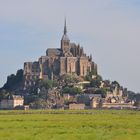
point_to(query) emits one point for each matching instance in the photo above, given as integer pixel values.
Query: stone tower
(65, 41)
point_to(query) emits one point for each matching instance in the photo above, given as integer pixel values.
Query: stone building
(96, 102)
(114, 100)
(12, 102)
(69, 58)
(76, 106)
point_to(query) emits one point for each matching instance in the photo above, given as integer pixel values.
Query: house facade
(12, 102)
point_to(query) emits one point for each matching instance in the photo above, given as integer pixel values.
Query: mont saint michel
(69, 58)
(65, 78)
(69, 70)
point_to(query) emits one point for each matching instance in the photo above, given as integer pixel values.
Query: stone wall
(76, 106)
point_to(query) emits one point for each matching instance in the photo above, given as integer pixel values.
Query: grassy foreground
(70, 125)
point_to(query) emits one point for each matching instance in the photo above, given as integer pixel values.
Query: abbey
(69, 58)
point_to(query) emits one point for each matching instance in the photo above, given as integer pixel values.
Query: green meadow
(70, 125)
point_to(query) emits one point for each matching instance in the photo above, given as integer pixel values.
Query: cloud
(108, 27)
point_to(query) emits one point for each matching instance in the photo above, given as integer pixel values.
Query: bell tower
(65, 42)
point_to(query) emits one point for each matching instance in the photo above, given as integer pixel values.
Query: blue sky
(108, 29)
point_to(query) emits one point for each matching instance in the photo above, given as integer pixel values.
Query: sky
(107, 29)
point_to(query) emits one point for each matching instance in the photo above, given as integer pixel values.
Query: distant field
(70, 125)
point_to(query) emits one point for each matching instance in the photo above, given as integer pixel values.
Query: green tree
(67, 79)
(46, 83)
(88, 77)
(3, 94)
(14, 81)
(96, 82)
(101, 91)
(116, 84)
(39, 104)
(72, 90)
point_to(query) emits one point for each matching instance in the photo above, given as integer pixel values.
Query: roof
(15, 97)
(53, 51)
(91, 96)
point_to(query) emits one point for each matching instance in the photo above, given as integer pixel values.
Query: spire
(65, 27)
(65, 37)
(90, 57)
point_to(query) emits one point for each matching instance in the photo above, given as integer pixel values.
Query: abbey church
(68, 58)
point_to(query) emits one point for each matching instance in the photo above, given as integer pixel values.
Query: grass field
(70, 125)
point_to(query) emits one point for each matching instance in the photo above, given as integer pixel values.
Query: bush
(72, 90)
(14, 81)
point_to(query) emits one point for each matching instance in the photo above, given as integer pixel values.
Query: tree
(88, 77)
(68, 79)
(46, 83)
(14, 81)
(72, 90)
(96, 82)
(115, 83)
(39, 104)
(4, 94)
(101, 91)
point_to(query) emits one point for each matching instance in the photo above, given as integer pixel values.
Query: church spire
(65, 42)
(65, 27)
(65, 36)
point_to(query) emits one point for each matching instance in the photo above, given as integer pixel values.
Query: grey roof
(55, 51)
(94, 95)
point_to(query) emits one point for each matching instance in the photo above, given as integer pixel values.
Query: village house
(12, 102)
(114, 99)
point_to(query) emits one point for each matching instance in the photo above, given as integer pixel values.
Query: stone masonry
(69, 58)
